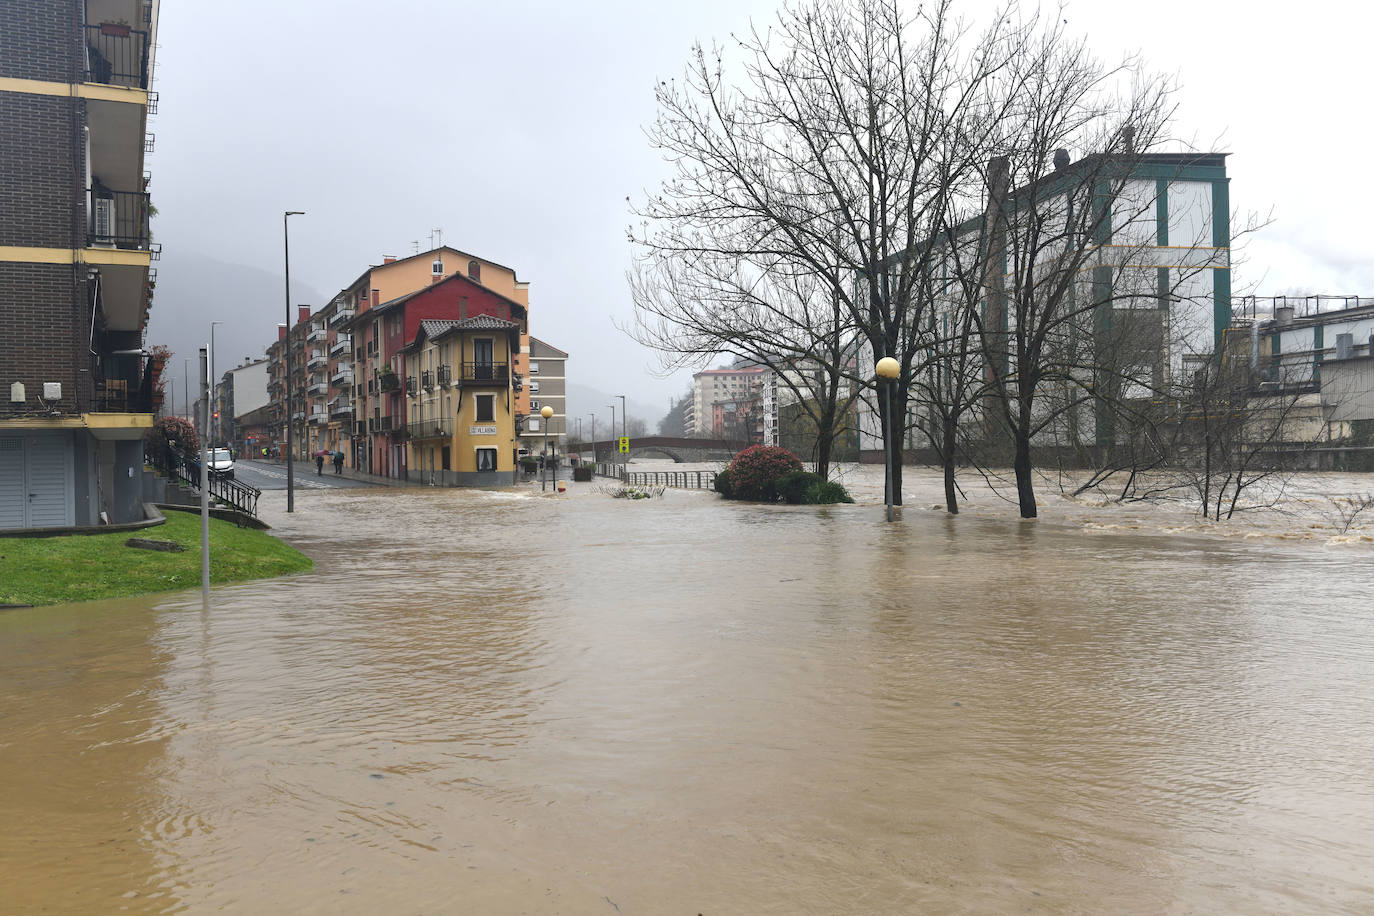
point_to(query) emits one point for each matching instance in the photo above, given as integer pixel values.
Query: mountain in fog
(194, 289)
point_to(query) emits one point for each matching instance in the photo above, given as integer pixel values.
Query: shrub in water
(825, 493)
(755, 471)
(723, 484)
(793, 486)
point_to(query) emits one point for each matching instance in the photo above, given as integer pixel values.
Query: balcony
(340, 317)
(445, 376)
(318, 416)
(117, 55)
(317, 387)
(427, 380)
(340, 409)
(317, 360)
(341, 345)
(412, 388)
(317, 334)
(343, 378)
(485, 375)
(119, 219)
(388, 381)
(114, 396)
(429, 429)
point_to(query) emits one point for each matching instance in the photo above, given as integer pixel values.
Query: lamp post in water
(887, 369)
(547, 412)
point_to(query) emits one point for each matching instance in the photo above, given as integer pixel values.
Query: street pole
(624, 419)
(887, 370)
(544, 471)
(286, 355)
(593, 438)
(185, 387)
(204, 483)
(214, 388)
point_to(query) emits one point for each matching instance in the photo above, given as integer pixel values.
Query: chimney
(302, 313)
(1061, 159)
(388, 258)
(281, 332)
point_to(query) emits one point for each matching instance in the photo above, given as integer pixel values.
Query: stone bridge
(680, 450)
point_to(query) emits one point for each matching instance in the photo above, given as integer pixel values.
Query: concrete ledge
(151, 518)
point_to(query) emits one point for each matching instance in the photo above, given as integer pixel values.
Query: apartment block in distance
(75, 260)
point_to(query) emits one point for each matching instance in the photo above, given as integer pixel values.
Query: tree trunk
(951, 494)
(1025, 487)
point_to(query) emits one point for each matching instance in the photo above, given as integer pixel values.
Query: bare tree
(854, 135)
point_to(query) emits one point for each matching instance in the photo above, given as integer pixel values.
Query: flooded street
(502, 702)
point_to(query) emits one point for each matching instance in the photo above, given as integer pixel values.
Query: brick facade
(43, 313)
(45, 173)
(41, 41)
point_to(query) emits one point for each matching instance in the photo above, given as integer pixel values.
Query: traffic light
(216, 415)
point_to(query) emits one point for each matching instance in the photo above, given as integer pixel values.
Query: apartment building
(76, 276)
(460, 401)
(546, 385)
(738, 387)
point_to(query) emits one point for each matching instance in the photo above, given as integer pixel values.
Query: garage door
(35, 482)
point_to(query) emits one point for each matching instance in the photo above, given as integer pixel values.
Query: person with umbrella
(319, 463)
(338, 463)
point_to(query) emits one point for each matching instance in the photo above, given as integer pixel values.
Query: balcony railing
(427, 380)
(317, 361)
(429, 429)
(340, 317)
(318, 416)
(412, 388)
(119, 218)
(317, 386)
(340, 345)
(317, 333)
(486, 374)
(343, 378)
(117, 55)
(388, 381)
(116, 396)
(343, 409)
(445, 376)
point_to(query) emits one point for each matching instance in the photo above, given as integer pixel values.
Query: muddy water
(495, 702)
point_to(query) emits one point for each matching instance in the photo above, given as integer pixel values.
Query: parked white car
(222, 463)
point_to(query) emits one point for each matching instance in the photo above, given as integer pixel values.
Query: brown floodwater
(497, 702)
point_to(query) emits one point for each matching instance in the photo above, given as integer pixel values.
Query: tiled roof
(433, 327)
(484, 323)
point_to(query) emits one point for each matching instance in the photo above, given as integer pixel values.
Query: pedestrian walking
(338, 462)
(319, 464)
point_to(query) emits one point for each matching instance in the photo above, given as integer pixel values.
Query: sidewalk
(305, 467)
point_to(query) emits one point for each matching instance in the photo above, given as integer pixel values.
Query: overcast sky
(516, 128)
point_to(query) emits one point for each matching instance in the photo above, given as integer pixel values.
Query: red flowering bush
(755, 471)
(157, 444)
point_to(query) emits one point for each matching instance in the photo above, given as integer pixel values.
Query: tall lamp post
(547, 412)
(888, 369)
(286, 355)
(214, 389)
(624, 418)
(593, 416)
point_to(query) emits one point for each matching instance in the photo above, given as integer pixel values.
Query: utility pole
(286, 356)
(624, 418)
(593, 438)
(204, 481)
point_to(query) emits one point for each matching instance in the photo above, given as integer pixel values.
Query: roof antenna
(416, 245)
(436, 234)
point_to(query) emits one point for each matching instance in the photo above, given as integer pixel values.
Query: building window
(475, 271)
(532, 425)
(534, 367)
(534, 386)
(486, 459)
(486, 408)
(534, 405)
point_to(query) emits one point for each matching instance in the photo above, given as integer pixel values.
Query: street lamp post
(624, 419)
(214, 389)
(887, 369)
(546, 413)
(286, 355)
(613, 460)
(593, 416)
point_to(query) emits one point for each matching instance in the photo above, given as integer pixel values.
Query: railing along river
(687, 480)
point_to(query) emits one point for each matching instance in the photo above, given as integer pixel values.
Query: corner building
(75, 260)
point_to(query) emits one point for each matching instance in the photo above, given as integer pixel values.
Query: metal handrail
(117, 55)
(241, 496)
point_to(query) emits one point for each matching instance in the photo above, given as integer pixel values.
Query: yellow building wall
(427, 454)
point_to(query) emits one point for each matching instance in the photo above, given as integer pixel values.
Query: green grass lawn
(86, 567)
